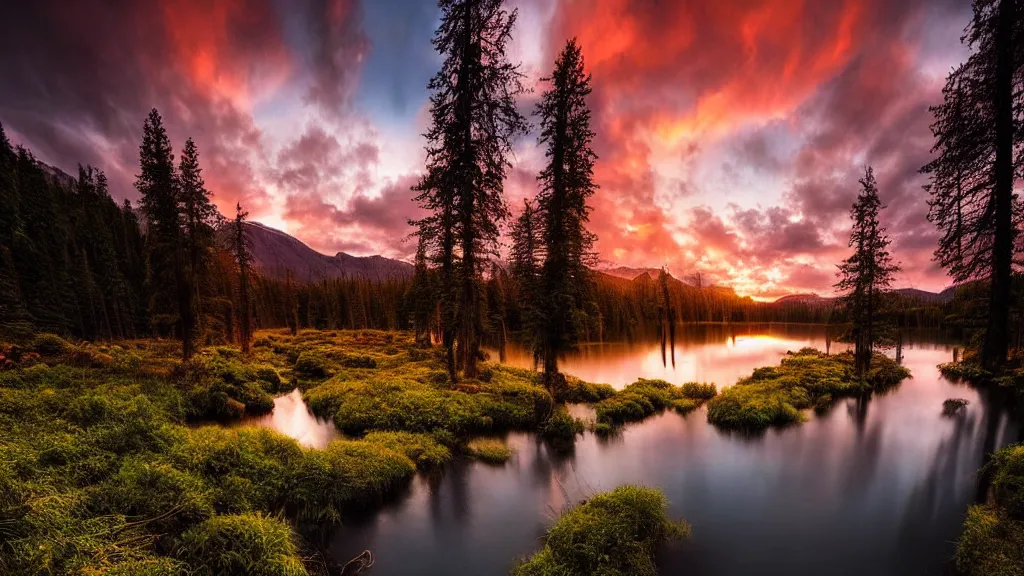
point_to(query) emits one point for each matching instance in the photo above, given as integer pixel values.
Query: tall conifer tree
(979, 133)
(566, 185)
(867, 273)
(170, 303)
(473, 122)
(241, 249)
(199, 216)
(524, 265)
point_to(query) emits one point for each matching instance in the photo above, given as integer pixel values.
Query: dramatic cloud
(731, 134)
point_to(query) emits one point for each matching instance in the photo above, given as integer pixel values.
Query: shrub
(578, 391)
(561, 427)
(990, 544)
(242, 545)
(49, 345)
(951, 406)
(311, 364)
(1008, 480)
(422, 449)
(270, 378)
(489, 450)
(699, 390)
(617, 532)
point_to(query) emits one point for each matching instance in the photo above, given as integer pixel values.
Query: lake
(871, 487)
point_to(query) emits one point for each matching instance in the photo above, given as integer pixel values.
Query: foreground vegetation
(616, 532)
(113, 461)
(777, 395)
(992, 543)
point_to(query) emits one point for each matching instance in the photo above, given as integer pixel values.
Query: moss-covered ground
(778, 395)
(992, 542)
(113, 461)
(613, 533)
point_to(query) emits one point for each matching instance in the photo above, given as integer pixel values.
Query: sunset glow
(730, 134)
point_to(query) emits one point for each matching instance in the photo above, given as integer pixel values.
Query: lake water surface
(872, 487)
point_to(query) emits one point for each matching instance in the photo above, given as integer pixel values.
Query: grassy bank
(777, 395)
(104, 470)
(617, 532)
(992, 542)
(1010, 377)
(113, 462)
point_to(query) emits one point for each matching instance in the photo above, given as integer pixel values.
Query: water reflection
(292, 417)
(875, 486)
(715, 353)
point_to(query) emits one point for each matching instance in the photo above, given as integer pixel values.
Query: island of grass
(992, 542)
(616, 532)
(777, 395)
(114, 461)
(1008, 377)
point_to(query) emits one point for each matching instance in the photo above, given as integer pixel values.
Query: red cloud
(672, 79)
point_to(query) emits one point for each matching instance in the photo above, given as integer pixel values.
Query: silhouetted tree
(421, 296)
(980, 146)
(240, 246)
(169, 289)
(199, 216)
(473, 121)
(566, 185)
(867, 273)
(524, 266)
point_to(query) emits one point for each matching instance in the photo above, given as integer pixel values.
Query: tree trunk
(996, 343)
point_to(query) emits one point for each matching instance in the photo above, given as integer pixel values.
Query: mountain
(275, 252)
(806, 299)
(925, 296)
(627, 273)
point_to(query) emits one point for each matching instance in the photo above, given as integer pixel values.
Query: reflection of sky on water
(876, 486)
(293, 418)
(711, 353)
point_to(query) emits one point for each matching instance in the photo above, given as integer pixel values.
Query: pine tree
(474, 120)
(867, 273)
(291, 304)
(199, 219)
(566, 185)
(170, 303)
(524, 266)
(421, 296)
(241, 248)
(980, 146)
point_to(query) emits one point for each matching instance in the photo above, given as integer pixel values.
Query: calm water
(876, 487)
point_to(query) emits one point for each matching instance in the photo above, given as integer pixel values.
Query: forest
(145, 357)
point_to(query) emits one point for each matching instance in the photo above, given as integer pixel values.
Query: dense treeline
(71, 259)
(75, 262)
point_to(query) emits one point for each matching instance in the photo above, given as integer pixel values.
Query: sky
(730, 134)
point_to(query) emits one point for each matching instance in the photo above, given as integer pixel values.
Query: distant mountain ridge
(812, 299)
(276, 252)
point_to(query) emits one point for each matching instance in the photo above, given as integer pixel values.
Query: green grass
(614, 533)
(992, 541)
(242, 545)
(489, 450)
(103, 470)
(561, 428)
(108, 457)
(423, 449)
(777, 395)
(645, 397)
